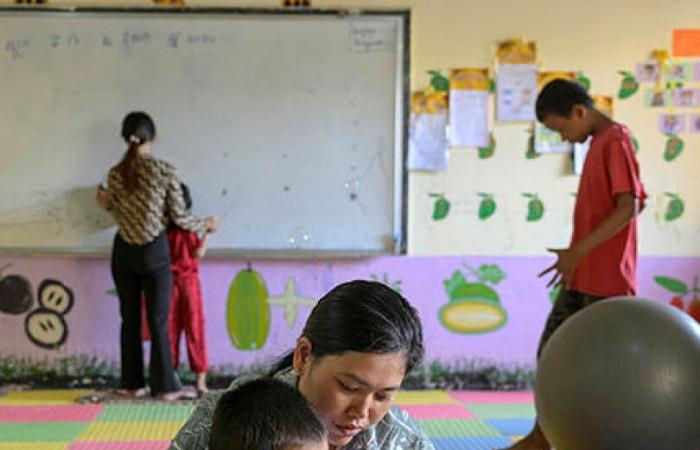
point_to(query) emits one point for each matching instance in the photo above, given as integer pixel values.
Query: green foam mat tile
(458, 428)
(145, 413)
(45, 431)
(501, 410)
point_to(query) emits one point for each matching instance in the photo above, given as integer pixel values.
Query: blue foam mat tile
(471, 443)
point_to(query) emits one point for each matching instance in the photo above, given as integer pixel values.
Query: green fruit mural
(473, 307)
(535, 207)
(628, 86)
(675, 207)
(679, 290)
(247, 311)
(438, 81)
(441, 207)
(674, 147)
(489, 150)
(583, 80)
(492, 85)
(487, 206)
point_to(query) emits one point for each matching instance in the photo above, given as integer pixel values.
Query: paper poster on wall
(672, 123)
(678, 72)
(604, 104)
(686, 98)
(516, 84)
(686, 42)
(427, 144)
(648, 72)
(657, 99)
(694, 120)
(546, 140)
(468, 108)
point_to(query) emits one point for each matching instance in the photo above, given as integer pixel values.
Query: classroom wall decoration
(684, 297)
(474, 306)
(476, 215)
(248, 311)
(46, 325)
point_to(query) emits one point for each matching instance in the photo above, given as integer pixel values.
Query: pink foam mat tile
(438, 412)
(119, 445)
(493, 396)
(49, 413)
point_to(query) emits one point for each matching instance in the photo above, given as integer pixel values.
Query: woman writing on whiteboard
(144, 195)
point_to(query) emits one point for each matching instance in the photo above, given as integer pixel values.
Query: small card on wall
(672, 123)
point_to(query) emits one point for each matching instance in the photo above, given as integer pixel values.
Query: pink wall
(93, 321)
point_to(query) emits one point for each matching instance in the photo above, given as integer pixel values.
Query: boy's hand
(567, 260)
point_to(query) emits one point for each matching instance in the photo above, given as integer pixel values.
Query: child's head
(266, 414)
(565, 107)
(138, 128)
(186, 196)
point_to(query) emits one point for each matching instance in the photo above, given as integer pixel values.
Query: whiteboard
(290, 127)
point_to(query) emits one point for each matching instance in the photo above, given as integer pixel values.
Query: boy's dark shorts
(566, 305)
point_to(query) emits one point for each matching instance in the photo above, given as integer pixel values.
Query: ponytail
(128, 166)
(137, 129)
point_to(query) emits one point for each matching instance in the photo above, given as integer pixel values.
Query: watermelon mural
(247, 311)
(474, 307)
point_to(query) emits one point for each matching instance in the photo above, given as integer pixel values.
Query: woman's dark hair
(264, 414)
(137, 129)
(559, 96)
(362, 316)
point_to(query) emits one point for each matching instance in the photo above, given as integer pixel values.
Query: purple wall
(93, 321)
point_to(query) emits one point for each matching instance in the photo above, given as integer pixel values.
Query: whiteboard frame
(402, 108)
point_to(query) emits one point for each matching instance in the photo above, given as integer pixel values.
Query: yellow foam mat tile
(37, 445)
(43, 397)
(130, 431)
(434, 397)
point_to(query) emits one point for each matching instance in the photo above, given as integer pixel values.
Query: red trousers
(187, 315)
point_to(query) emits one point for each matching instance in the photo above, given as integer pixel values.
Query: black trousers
(144, 270)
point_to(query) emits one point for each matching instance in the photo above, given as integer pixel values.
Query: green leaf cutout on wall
(487, 206)
(535, 207)
(438, 81)
(583, 80)
(441, 208)
(489, 150)
(635, 144)
(672, 284)
(674, 147)
(674, 208)
(628, 86)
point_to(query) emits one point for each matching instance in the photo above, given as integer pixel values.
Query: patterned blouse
(144, 214)
(396, 430)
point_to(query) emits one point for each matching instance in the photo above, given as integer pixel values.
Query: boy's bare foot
(202, 383)
(182, 394)
(132, 393)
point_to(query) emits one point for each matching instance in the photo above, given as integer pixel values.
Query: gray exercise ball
(623, 373)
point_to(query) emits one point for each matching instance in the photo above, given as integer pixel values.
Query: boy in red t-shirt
(601, 260)
(186, 309)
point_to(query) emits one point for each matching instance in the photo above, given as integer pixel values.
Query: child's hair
(559, 96)
(186, 196)
(137, 129)
(264, 414)
(362, 316)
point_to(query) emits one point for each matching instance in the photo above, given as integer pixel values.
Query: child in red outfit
(601, 260)
(186, 310)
